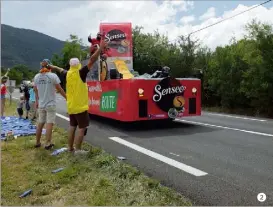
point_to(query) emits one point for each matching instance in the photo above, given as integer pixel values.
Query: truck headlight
(140, 92)
(194, 90)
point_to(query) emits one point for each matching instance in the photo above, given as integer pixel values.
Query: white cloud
(187, 19)
(83, 18)
(210, 13)
(222, 33)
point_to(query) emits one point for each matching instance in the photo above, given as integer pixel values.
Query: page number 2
(261, 197)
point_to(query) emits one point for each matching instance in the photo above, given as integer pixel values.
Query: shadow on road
(150, 129)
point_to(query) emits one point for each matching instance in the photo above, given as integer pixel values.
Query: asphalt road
(214, 159)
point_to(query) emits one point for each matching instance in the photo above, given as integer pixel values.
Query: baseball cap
(74, 62)
(47, 61)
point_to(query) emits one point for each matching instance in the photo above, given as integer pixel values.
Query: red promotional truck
(119, 95)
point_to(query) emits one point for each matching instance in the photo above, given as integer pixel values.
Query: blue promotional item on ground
(16, 126)
(58, 151)
(58, 170)
(26, 193)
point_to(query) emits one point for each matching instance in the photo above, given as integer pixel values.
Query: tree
(19, 72)
(72, 48)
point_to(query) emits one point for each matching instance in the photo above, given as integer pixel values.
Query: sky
(59, 19)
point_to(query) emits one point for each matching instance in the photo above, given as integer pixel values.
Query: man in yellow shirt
(77, 97)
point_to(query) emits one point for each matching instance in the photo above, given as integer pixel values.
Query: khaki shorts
(32, 106)
(47, 115)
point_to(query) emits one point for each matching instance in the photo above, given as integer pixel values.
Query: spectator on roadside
(45, 83)
(77, 98)
(3, 94)
(33, 110)
(27, 96)
(20, 106)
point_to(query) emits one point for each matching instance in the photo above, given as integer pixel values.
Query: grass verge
(97, 179)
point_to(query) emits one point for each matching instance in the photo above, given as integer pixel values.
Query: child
(20, 106)
(3, 94)
(27, 96)
(32, 102)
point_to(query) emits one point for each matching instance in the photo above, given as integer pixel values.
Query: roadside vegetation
(236, 78)
(98, 179)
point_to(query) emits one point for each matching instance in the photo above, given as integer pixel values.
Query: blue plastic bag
(17, 126)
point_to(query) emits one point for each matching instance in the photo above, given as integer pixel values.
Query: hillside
(25, 46)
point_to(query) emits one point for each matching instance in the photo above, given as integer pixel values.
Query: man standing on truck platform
(94, 42)
(77, 98)
(94, 73)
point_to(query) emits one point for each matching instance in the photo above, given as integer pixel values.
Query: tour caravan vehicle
(117, 94)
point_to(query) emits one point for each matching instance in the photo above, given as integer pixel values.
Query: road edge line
(186, 168)
(223, 127)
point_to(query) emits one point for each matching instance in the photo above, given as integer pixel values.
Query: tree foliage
(239, 75)
(19, 73)
(72, 48)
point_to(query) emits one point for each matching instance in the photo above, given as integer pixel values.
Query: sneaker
(48, 147)
(80, 152)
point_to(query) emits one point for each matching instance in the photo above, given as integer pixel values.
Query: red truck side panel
(132, 99)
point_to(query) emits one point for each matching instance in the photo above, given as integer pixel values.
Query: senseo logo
(169, 95)
(115, 35)
(172, 90)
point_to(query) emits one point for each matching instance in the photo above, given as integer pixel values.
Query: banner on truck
(120, 42)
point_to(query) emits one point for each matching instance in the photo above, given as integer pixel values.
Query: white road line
(235, 117)
(62, 116)
(160, 157)
(223, 127)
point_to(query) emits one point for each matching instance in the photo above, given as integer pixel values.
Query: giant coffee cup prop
(169, 96)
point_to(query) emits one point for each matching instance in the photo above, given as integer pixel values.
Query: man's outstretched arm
(96, 55)
(56, 68)
(91, 60)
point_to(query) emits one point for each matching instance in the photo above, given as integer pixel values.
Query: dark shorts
(27, 106)
(20, 111)
(81, 120)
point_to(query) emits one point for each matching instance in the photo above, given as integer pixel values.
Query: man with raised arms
(77, 98)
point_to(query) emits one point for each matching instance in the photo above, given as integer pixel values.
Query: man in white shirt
(45, 85)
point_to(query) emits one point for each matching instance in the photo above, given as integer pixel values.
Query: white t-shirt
(46, 85)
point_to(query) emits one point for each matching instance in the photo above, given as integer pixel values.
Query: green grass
(97, 179)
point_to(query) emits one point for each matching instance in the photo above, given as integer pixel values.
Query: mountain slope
(28, 47)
